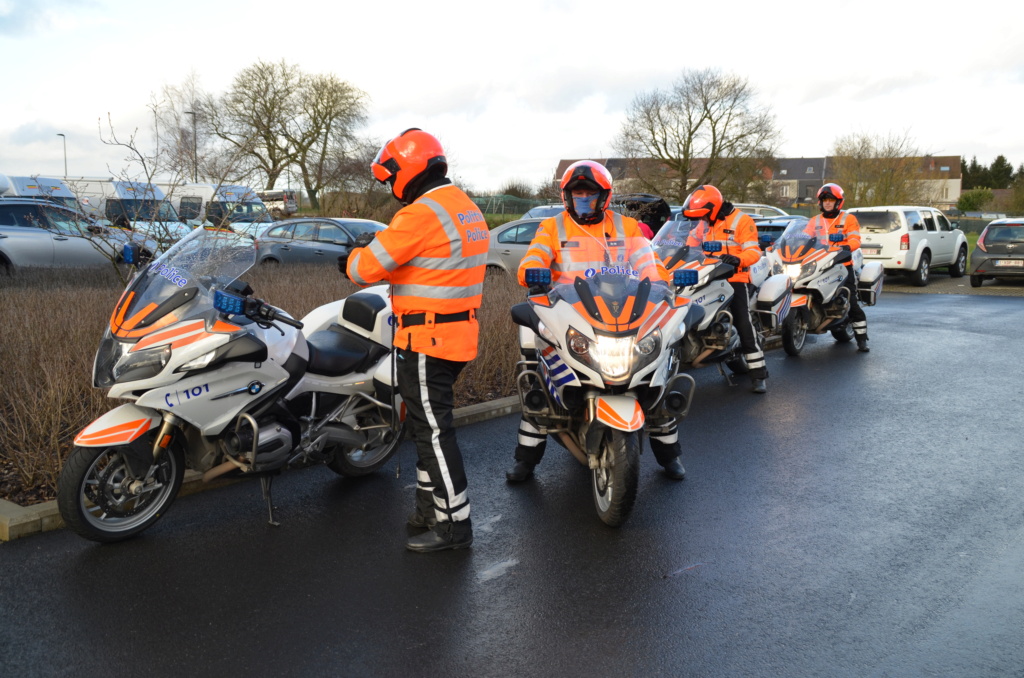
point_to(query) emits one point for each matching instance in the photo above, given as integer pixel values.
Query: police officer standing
(720, 221)
(434, 254)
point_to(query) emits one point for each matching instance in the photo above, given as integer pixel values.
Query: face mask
(584, 205)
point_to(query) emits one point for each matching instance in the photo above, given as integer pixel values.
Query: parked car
(38, 232)
(281, 203)
(311, 240)
(911, 240)
(760, 210)
(999, 252)
(543, 211)
(509, 243)
(770, 228)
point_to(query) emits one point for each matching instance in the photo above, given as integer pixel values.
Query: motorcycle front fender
(119, 426)
(621, 412)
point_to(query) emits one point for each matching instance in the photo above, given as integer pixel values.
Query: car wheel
(5, 266)
(959, 267)
(270, 262)
(919, 276)
(976, 280)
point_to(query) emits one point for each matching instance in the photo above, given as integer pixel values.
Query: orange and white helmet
(831, 191)
(704, 203)
(587, 174)
(407, 157)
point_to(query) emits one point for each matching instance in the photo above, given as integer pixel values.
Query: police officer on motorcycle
(721, 222)
(833, 220)
(586, 189)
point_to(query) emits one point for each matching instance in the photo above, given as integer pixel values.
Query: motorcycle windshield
(618, 282)
(796, 244)
(670, 244)
(182, 281)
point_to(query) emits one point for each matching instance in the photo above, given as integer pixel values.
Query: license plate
(871, 250)
(1019, 263)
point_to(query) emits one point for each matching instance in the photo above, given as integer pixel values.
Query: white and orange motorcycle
(220, 382)
(600, 361)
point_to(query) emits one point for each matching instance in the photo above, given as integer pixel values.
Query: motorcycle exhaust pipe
(580, 455)
(221, 469)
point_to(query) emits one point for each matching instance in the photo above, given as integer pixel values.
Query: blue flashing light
(765, 238)
(835, 237)
(538, 276)
(712, 246)
(228, 303)
(130, 253)
(684, 277)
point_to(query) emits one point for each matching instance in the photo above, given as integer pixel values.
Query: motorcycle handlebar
(261, 311)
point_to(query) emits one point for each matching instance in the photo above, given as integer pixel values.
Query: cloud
(23, 19)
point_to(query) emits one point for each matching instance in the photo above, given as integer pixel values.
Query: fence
(505, 204)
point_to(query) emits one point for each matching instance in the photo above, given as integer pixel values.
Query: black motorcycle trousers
(749, 341)
(532, 443)
(858, 319)
(426, 384)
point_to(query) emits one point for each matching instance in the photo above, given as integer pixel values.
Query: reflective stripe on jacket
(434, 253)
(570, 249)
(844, 223)
(738, 236)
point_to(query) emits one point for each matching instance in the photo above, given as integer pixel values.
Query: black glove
(363, 239)
(845, 248)
(730, 259)
(343, 264)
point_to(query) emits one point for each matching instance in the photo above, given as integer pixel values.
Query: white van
(131, 205)
(217, 203)
(50, 188)
(911, 240)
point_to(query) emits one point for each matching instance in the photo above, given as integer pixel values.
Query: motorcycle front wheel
(381, 443)
(794, 334)
(615, 486)
(99, 499)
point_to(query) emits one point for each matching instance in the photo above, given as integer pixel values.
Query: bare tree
(877, 170)
(707, 128)
(321, 135)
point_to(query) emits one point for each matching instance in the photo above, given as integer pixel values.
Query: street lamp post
(65, 140)
(195, 159)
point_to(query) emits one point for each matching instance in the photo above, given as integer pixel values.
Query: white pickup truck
(911, 240)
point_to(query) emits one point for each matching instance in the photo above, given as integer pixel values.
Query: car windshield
(141, 210)
(878, 222)
(1002, 234)
(543, 212)
(359, 227)
(238, 212)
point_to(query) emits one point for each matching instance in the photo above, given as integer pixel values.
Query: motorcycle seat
(337, 351)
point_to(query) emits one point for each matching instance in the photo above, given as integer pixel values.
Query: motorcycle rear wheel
(615, 487)
(380, 446)
(794, 334)
(95, 497)
(844, 333)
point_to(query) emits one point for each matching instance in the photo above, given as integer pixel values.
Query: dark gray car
(37, 232)
(999, 252)
(311, 239)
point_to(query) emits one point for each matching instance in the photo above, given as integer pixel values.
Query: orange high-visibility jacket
(844, 223)
(738, 236)
(434, 253)
(570, 249)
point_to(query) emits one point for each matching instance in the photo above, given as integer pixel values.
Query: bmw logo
(590, 272)
(255, 387)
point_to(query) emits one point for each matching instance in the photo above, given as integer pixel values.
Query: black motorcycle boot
(862, 343)
(520, 471)
(442, 537)
(674, 469)
(423, 514)
(758, 386)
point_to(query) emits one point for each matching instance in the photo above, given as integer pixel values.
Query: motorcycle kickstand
(266, 483)
(728, 375)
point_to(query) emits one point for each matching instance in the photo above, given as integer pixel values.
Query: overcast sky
(510, 88)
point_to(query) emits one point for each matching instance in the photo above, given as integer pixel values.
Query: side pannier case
(773, 301)
(870, 284)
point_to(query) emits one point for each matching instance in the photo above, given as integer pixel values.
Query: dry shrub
(53, 320)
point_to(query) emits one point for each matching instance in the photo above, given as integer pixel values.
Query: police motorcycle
(222, 383)
(599, 362)
(820, 301)
(704, 279)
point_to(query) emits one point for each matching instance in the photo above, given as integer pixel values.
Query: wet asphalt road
(864, 518)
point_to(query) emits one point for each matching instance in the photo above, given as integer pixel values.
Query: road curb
(22, 521)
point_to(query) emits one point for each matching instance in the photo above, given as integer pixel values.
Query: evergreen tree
(1000, 173)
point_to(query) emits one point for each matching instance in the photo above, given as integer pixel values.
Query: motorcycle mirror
(538, 276)
(228, 303)
(712, 246)
(835, 237)
(684, 277)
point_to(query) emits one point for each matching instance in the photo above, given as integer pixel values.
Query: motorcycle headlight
(614, 355)
(141, 365)
(801, 271)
